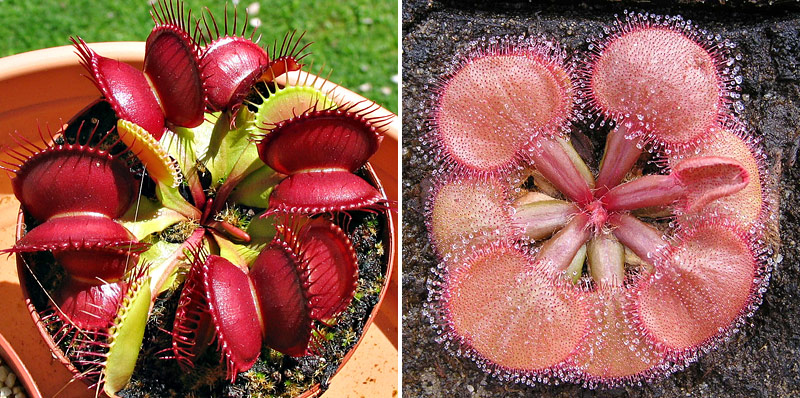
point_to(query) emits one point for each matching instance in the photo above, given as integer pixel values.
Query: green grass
(357, 39)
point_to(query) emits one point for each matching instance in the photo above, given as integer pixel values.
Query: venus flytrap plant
(550, 272)
(230, 225)
(96, 257)
(338, 141)
(284, 279)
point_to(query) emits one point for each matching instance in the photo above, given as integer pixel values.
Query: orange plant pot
(43, 87)
(11, 359)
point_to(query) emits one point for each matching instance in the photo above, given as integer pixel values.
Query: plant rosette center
(199, 202)
(552, 270)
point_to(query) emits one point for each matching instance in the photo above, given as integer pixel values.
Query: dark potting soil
(763, 358)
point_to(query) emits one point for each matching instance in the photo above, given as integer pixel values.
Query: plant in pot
(214, 199)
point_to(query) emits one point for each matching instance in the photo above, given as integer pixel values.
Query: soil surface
(763, 359)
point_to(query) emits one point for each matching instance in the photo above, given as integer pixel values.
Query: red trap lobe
(171, 63)
(330, 267)
(230, 302)
(82, 178)
(231, 62)
(125, 88)
(87, 246)
(322, 192)
(89, 306)
(192, 329)
(286, 58)
(335, 143)
(282, 300)
(327, 139)
(233, 65)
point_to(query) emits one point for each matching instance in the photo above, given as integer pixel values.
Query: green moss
(348, 338)
(179, 232)
(237, 216)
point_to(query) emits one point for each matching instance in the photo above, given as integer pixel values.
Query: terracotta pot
(49, 91)
(24, 377)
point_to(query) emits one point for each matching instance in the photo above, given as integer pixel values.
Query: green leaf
(126, 337)
(148, 218)
(159, 256)
(575, 269)
(158, 164)
(241, 255)
(165, 260)
(155, 159)
(255, 189)
(261, 230)
(287, 102)
(171, 198)
(189, 145)
(231, 150)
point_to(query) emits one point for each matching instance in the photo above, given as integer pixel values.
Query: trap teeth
(229, 85)
(83, 178)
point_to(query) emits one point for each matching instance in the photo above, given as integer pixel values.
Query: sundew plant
(550, 271)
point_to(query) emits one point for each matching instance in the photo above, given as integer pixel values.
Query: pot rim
(11, 358)
(39, 61)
